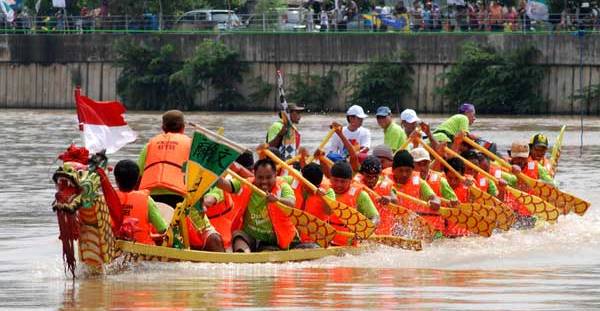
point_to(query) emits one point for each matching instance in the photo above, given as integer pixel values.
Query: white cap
(410, 116)
(357, 111)
(420, 154)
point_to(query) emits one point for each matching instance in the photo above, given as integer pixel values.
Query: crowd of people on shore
(234, 216)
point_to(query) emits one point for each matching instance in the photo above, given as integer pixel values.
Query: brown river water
(555, 267)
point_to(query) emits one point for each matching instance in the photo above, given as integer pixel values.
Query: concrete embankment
(40, 71)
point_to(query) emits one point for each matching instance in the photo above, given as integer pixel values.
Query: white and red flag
(102, 124)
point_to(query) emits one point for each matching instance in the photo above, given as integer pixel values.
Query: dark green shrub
(262, 90)
(145, 80)
(384, 81)
(214, 64)
(313, 91)
(496, 82)
(588, 96)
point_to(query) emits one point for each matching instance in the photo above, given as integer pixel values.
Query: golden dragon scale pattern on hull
(535, 205)
(468, 219)
(352, 219)
(505, 217)
(308, 224)
(563, 201)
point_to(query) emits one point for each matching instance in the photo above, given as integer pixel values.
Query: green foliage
(262, 90)
(145, 80)
(504, 82)
(384, 81)
(313, 91)
(587, 96)
(217, 65)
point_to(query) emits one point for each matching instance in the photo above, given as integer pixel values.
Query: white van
(207, 19)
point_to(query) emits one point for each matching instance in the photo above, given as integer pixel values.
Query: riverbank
(40, 71)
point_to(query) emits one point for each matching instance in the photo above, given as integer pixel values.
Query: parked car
(292, 19)
(207, 19)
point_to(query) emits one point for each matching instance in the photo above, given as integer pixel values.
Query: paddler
(140, 213)
(350, 193)
(307, 200)
(461, 190)
(386, 157)
(283, 135)
(393, 135)
(161, 161)
(409, 181)
(221, 207)
(521, 162)
(538, 145)
(370, 175)
(359, 136)
(260, 224)
(436, 180)
(480, 181)
(460, 122)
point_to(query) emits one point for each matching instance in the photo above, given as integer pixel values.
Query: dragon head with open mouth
(81, 208)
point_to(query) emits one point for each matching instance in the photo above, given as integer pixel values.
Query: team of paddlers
(234, 216)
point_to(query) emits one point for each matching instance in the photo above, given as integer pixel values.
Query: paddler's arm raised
(354, 163)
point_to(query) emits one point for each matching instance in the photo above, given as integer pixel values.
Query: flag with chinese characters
(210, 156)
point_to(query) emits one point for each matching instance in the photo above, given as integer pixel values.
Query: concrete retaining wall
(39, 71)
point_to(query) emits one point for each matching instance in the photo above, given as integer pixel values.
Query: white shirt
(362, 137)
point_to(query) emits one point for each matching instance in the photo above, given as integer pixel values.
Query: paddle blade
(356, 222)
(466, 218)
(411, 223)
(321, 232)
(563, 201)
(535, 205)
(505, 217)
(396, 241)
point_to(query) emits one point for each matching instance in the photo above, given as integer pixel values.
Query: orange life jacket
(165, 156)
(221, 216)
(434, 179)
(482, 183)
(531, 169)
(413, 188)
(383, 188)
(135, 207)
(312, 203)
(495, 171)
(349, 198)
(285, 231)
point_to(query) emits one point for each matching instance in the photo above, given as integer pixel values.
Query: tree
(504, 82)
(385, 81)
(313, 91)
(214, 64)
(145, 80)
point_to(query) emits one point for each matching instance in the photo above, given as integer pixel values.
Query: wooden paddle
(565, 202)
(351, 218)
(555, 155)
(465, 218)
(321, 232)
(497, 212)
(322, 144)
(534, 204)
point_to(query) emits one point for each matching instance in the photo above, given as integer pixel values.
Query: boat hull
(160, 253)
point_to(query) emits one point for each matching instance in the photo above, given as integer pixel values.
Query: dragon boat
(85, 228)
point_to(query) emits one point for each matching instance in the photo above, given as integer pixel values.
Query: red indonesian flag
(102, 124)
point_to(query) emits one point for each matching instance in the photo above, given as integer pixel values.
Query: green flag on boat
(210, 155)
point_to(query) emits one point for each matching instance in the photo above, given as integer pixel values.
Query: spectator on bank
(417, 16)
(324, 21)
(495, 16)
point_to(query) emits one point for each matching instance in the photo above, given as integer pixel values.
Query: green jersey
(257, 222)
(446, 131)
(394, 136)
